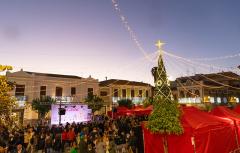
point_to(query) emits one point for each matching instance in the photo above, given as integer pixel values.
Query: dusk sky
(87, 37)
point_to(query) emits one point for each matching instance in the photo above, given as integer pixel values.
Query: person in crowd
(64, 138)
(71, 136)
(105, 135)
(112, 146)
(83, 146)
(74, 147)
(48, 143)
(20, 149)
(41, 143)
(100, 145)
(132, 142)
(57, 144)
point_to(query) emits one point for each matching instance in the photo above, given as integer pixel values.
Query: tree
(7, 103)
(42, 105)
(94, 102)
(147, 102)
(125, 103)
(165, 118)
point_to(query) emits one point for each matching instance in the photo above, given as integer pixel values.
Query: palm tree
(42, 105)
(94, 102)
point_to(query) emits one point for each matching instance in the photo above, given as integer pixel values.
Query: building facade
(31, 85)
(218, 88)
(113, 90)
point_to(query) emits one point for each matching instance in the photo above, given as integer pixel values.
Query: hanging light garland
(129, 29)
(217, 58)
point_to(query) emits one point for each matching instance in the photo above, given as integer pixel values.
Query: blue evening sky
(86, 37)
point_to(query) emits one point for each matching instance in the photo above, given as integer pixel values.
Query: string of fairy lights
(151, 58)
(134, 38)
(128, 28)
(217, 58)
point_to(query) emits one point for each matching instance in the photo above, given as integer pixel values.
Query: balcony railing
(135, 100)
(21, 100)
(63, 99)
(196, 100)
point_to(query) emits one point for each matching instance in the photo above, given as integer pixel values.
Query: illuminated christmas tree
(165, 117)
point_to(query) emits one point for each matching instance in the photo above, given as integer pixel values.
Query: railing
(196, 100)
(21, 100)
(135, 100)
(63, 99)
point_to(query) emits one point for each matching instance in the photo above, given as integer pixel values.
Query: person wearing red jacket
(71, 136)
(64, 138)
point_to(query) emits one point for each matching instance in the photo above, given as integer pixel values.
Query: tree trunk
(165, 143)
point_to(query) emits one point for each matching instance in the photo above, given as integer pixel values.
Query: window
(146, 93)
(103, 93)
(132, 93)
(90, 92)
(19, 90)
(124, 93)
(59, 91)
(43, 91)
(115, 92)
(73, 91)
(140, 93)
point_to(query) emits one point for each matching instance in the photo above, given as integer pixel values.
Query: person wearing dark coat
(19, 149)
(83, 146)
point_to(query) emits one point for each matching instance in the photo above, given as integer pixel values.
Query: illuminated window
(212, 99)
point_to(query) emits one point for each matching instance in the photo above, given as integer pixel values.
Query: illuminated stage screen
(74, 113)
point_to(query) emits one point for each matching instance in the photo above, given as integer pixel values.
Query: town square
(119, 76)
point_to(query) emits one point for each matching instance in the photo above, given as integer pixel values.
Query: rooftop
(122, 82)
(53, 75)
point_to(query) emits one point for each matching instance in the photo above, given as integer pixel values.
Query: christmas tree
(165, 118)
(7, 103)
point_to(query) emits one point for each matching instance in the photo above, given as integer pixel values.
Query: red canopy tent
(136, 110)
(203, 133)
(237, 109)
(140, 110)
(222, 111)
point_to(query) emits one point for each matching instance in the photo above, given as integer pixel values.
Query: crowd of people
(102, 135)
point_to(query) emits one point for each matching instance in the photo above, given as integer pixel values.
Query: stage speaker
(61, 111)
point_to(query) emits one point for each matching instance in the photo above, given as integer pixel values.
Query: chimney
(106, 78)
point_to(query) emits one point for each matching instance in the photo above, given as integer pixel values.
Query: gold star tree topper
(159, 45)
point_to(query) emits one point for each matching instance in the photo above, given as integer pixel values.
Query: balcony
(21, 100)
(64, 99)
(135, 100)
(196, 100)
